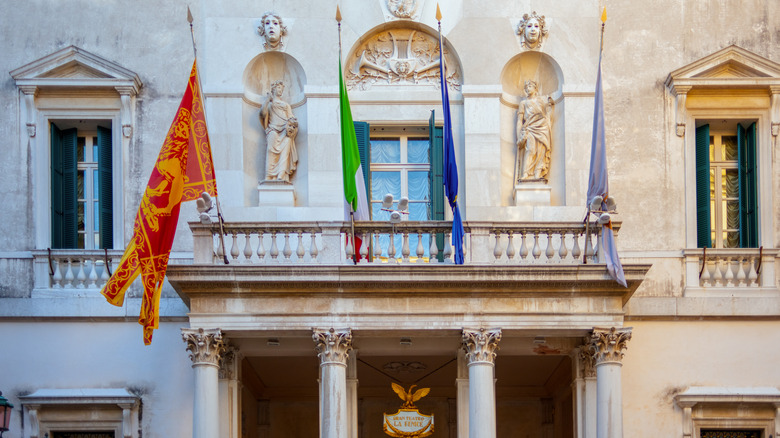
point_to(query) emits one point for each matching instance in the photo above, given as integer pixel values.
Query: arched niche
(262, 71)
(545, 71)
(400, 54)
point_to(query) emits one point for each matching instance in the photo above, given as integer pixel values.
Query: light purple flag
(598, 183)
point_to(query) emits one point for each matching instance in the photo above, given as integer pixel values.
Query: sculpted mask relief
(402, 8)
(400, 56)
(533, 135)
(281, 128)
(532, 30)
(272, 29)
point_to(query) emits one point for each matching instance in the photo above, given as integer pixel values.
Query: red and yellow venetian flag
(184, 169)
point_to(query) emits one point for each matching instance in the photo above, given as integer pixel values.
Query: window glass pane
(417, 150)
(731, 239)
(712, 148)
(729, 147)
(418, 211)
(80, 184)
(418, 185)
(96, 216)
(385, 182)
(730, 179)
(385, 150)
(94, 149)
(80, 149)
(377, 214)
(95, 184)
(81, 207)
(80, 243)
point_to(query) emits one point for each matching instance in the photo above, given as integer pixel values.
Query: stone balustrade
(718, 268)
(74, 268)
(404, 243)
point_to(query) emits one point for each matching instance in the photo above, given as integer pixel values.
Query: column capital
(481, 345)
(586, 361)
(332, 345)
(205, 346)
(230, 363)
(607, 344)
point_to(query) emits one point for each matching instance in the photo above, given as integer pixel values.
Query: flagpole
(205, 120)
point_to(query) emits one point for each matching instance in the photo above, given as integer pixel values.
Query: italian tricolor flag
(354, 185)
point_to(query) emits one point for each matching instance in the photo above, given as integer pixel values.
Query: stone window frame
(74, 84)
(731, 397)
(40, 410)
(701, 91)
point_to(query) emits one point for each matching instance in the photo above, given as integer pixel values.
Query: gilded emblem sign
(408, 422)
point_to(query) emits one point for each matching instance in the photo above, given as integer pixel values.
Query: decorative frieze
(607, 345)
(481, 345)
(332, 345)
(205, 346)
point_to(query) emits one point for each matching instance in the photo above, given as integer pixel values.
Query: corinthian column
(480, 346)
(333, 348)
(206, 348)
(606, 346)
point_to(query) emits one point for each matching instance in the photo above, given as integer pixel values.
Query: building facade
(303, 333)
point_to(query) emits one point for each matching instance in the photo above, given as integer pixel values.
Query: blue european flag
(450, 173)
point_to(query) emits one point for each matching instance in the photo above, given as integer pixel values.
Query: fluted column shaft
(333, 348)
(607, 347)
(480, 346)
(206, 348)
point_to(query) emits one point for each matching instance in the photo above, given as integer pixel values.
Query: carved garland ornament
(332, 345)
(481, 345)
(400, 56)
(205, 346)
(607, 345)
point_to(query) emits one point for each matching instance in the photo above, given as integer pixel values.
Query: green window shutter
(364, 149)
(105, 195)
(748, 193)
(70, 199)
(56, 187)
(436, 176)
(436, 185)
(703, 237)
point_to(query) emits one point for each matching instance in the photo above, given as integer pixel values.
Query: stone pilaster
(206, 348)
(480, 347)
(606, 347)
(230, 392)
(333, 347)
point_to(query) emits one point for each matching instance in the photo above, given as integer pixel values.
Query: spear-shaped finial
(603, 22)
(338, 14)
(604, 16)
(189, 16)
(438, 13)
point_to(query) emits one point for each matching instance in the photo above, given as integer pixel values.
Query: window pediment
(731, 67)
(75, 67)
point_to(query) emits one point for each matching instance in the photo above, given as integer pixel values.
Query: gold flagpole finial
(438, 13)
(604, 16)
(189, 16)
(338, 14)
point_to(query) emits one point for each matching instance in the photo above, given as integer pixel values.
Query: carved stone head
(277, 88)
(530, 88)
(402, 8)
(532, 30)
(272, 29)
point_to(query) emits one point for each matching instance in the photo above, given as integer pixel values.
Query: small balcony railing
(716, 269)
(404, 243)
(73, 268)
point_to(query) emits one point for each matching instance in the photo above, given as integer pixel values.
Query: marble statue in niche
(402, 8)
(281, 128)
(532, 30)
(272, 29)
(534, 126)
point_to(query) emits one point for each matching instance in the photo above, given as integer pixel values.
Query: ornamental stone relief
(400, 56)
(401, 9)
(481, 345)
(332, 345)
(205, 346)
(607, 345)
(532, 30)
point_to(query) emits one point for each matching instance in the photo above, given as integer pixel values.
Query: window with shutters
(404, 161)
(726, 189)
(81, 184)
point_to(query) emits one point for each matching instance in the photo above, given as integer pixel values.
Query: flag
(598, 183)
(184, 169)
(450, 174)
(354, 184)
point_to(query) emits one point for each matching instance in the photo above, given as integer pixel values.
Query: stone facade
(524, 335)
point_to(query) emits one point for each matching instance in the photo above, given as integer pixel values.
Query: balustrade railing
(731, 268)
(74, 268)
(404, 243)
